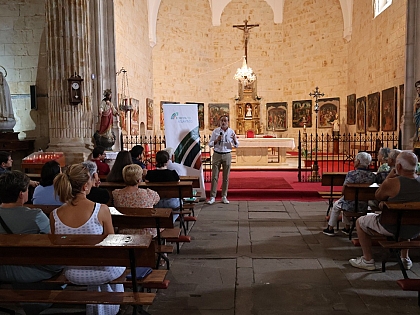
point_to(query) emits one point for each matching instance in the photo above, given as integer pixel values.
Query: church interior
(278, 69)
(153, 52)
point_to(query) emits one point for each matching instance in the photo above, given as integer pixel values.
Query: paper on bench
(116, 240)
(114, 211)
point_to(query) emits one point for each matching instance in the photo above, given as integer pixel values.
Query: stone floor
(271, 257)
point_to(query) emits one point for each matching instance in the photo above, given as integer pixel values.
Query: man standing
(98, 156)
(401, 185)
(222, 139)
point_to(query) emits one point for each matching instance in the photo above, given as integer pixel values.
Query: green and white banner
(182, 134)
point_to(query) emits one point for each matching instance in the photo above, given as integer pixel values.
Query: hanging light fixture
(124, 103)
(245, 75)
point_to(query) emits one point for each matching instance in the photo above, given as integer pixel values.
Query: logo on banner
(182, 119)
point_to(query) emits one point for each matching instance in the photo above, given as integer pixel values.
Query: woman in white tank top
(81, 216)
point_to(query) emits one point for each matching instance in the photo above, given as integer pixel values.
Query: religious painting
(401, 97)
(162, 121)
(372, 112)
(216, 110)
(302, 113)
(123, 114)
(134, 130)
(149, 113)
(276, 116)
(328, 111)
(389, 109)
(351, 109)
(361, 114)
(200, 111)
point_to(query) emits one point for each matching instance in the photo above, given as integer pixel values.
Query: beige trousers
(224, 161)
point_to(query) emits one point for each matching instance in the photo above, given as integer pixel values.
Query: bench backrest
(76, 250)
(406, 213)
(47, 209)
(333, 179)
(359, 192)
(143, 218)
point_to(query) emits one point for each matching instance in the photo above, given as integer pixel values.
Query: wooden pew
(77, 250)
(400, 214)
(358, 192)
(332, 179)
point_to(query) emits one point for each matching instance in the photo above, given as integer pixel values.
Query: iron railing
(334, 153)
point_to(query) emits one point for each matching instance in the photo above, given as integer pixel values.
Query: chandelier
(245, 75)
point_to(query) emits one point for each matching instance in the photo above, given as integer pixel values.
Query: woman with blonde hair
(132, 196)
(79, 215)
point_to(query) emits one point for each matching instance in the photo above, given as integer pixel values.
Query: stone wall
(377, 49)
(22, 53)
(183, 65)
(134, 53)
(290, 59)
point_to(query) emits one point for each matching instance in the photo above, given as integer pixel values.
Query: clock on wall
(75, 89)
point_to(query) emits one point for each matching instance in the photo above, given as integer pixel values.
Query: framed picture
(302, 113)
(276, 116)
(149, 113)
(124, 115)
(162, 120)
(361, 114)
(200, 110)
(401, 97)
(351, 109)
(134, 124)
(216, 110)
(372, 112)
(328, 111)
(389, 109)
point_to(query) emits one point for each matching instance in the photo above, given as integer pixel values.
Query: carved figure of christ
(245, 28)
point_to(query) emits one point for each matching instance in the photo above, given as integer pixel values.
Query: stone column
(75, 43)
(412, 72)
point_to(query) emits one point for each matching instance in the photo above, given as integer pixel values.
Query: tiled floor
(271, 257)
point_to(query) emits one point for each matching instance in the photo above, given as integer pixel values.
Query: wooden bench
(399, 214)
(356, 193)
(78, 250)
(332, 179)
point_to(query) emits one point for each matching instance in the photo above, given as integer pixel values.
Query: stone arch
(218, 6)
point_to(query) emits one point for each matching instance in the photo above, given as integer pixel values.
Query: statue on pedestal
(7, 117)
(105, 137)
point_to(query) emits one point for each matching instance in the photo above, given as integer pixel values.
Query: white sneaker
(407, 263)
(361, 263)
(211, 201)
(224, 200)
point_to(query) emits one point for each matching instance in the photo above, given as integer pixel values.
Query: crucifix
(315, 175)
(246, 27)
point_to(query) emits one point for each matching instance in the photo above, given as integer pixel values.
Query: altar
(255, 151)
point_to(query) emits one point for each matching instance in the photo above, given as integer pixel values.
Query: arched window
(380, 5)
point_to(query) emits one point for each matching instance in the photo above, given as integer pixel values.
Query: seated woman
(96, 194)
(162, 174)
(133, 197)
(383, 154)
(123, 159)
(81, 216)
(392, 158)
(19, 219)
(44, 194)
(360, 175)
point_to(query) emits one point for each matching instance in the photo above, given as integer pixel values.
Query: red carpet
(297, 191)
(259, 183)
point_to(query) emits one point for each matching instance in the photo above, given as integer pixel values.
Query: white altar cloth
(266, 143)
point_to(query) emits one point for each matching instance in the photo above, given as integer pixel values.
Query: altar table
(254, 151)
